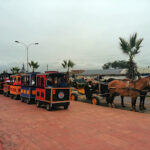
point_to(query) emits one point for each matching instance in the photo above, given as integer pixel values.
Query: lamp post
(27, 48)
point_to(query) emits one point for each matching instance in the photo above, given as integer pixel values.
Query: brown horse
(127, 88)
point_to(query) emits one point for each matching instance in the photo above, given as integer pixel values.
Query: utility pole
(27, 48)
(47, 67)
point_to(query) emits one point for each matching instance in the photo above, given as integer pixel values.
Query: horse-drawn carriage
(77, 89)
(92, 90)
(95, 92)
(52, 90)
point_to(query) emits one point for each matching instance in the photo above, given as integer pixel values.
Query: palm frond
(64, 64)
(71, 64)
(138, 43)
(133, 40)
(124, 45)
(135, 51)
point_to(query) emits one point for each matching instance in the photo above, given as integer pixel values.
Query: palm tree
(131, 49)
(15, 70)
(33, 65)
(67, 65)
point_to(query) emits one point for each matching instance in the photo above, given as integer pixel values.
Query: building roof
(140, 70)
(102, 72)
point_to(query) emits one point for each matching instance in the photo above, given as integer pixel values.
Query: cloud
(84, 31)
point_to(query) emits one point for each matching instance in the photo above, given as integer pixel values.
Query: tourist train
(50, 88)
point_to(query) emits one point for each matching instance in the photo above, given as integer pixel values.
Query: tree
(67, 65)
(22, 69)
(131, 48)
(34, 65)
(15, 70)
(120, 64)
(4, 72)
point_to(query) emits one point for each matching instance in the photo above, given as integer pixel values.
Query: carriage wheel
(74, 97)
(48, 107)
(95, 100)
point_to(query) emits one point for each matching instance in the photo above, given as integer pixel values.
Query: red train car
(52, 90)
(3, 79)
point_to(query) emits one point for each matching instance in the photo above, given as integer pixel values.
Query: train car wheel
(38, 103)
(11, 96)
(74, 97)
(66, 107)
(95, 100)
(28, 101)
(48, 107)
(15, 97)
(22, 99)
(7, 94)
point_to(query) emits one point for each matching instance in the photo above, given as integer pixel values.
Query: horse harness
(133, 89)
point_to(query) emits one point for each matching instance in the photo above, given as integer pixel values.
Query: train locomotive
(52, 90)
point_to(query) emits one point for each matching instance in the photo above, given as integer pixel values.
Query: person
(89, 90)
(49, 83)
(62, 83)
(55, 82)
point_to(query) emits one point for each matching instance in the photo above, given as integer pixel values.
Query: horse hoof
(136, 110)
(144, 108)
(114, 106)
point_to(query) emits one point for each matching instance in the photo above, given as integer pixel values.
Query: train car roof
(30, 73)
(53, 74)
(19, 74)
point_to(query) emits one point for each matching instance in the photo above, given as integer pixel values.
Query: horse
(131, 89)
(143, 94)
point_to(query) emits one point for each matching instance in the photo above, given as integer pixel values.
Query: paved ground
(82, 127)
(117, 101)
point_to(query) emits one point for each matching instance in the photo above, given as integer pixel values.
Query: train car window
(11, 81)
(38, 82)
(42, 82)
(33, 81)
(49, 82)
(14, 81)
(27, 81)
(22, 81)
(19, 81)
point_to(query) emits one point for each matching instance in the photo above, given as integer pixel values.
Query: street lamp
(27, 48)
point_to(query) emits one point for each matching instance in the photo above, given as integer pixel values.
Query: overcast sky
(85, 31)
